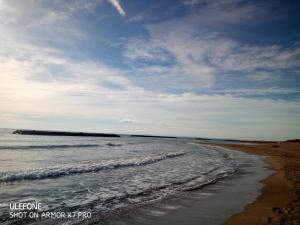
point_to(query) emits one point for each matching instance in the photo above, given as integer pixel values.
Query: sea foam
(54, 172)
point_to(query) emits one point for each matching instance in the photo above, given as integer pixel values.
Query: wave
(26, 147)
(56, 172)
(113, 144)
(152, 193)
(205, 182)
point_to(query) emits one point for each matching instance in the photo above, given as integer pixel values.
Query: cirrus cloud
(117, 5)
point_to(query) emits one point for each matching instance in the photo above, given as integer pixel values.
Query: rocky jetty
(63, 133)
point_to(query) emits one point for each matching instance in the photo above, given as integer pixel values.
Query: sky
(200, 68)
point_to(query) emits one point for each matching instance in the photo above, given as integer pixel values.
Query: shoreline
(206, 206)
(279, 200)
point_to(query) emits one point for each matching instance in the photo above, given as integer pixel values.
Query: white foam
(54, 172)
(156, 213)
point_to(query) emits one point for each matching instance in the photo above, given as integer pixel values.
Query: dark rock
(62, 133)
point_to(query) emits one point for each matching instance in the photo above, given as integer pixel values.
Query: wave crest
(55, 172)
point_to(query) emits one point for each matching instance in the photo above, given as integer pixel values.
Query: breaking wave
(113, 144)
(54, 172)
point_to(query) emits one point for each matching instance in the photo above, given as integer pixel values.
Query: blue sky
(225, 69)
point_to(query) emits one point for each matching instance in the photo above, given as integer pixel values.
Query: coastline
(279, 200)
(198, 206)
(254, 194)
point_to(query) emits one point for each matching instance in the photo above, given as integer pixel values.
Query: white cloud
(203, 57)
(197, 48)
(263, 76)
(191, 2)
(126, 120)
(250, 58)
(168, 46)
(42, 88)
(41, 23)
(117, 5)
(139, 17)
(83, 97)
(258, 91)
(141, 49)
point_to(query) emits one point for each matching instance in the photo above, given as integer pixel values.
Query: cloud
(258, 91)
(207, 57)
(172, 47)
(198, 50)
(222, 13)
(139, 17)
(251, 58)
(263, 77)
(51, 24)
(57, 100)
(44, 85)
(126, 120)
(117, 5)
(47, 90)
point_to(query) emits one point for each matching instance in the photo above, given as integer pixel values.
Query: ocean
(102, 176)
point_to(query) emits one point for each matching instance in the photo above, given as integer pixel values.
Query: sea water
(101, 174)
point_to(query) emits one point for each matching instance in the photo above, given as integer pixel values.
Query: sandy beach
(279, 202)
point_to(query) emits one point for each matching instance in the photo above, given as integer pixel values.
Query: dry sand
(279, 202)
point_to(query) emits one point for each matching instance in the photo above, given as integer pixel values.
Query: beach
(279, 202)
(125, 180)
(183, 112)
(210, 205)
(133, 180)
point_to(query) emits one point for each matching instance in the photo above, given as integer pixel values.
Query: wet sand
(279, 202)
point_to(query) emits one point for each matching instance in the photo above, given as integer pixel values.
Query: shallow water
(212, 204)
